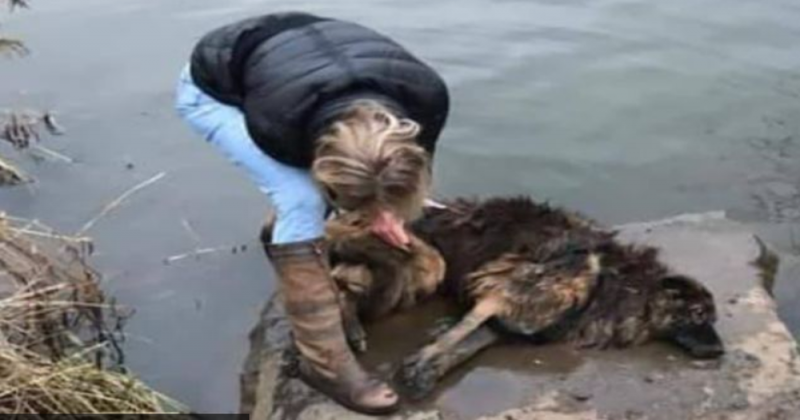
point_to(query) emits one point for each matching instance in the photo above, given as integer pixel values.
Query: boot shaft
(311, 301)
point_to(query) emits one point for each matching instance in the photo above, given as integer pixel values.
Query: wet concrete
(758, 378)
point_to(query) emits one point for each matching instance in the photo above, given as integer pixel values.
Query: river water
(624, 109)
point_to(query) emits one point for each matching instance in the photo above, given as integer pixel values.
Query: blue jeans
(299, 205)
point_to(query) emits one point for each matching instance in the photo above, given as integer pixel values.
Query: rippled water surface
(627, 110)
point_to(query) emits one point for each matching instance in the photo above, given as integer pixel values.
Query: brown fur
(633, 286)
(381, 278)
(537, 271)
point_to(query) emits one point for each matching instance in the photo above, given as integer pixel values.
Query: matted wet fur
(374, 278)
(525, 268)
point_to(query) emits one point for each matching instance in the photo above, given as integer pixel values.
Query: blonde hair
(369, 158)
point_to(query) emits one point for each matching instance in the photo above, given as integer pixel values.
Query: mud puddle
(513, 373)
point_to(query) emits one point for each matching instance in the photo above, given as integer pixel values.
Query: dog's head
(682, 312)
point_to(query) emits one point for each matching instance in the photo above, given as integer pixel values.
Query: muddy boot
(327, 363)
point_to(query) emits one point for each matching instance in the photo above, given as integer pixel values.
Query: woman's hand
(390, 228)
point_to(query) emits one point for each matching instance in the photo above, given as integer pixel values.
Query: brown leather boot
(266, 231)
(311, 302)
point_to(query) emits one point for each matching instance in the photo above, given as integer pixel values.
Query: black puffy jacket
(293, 73)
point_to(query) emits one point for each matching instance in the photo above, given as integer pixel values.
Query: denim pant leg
(299, 205)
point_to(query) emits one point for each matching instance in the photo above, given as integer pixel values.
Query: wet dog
(375, 279)
(519, 268)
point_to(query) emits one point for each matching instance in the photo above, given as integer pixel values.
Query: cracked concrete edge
(779, 372)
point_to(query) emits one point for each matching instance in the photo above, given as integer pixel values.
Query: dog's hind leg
(421, 371)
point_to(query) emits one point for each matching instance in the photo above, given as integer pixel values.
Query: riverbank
(59, 335)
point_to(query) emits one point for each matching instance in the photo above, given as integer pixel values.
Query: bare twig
(118, 201)
(46, 235)
(199, 250)
(196, 253)
(53, 153)
(190, 230)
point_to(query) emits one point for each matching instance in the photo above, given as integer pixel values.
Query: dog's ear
(684, 287)
(678, 281)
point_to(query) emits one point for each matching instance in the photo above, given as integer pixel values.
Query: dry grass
(10, 45)
(23, 131)
(59, 335)
(33, 384)
(9, 174)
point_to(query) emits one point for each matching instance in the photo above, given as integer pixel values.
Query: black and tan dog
(519, 268)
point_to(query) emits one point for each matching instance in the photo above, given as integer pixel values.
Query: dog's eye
(697, 314)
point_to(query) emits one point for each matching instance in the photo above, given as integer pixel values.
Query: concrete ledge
(759, 378)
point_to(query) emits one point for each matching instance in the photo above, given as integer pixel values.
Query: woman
(319, 112)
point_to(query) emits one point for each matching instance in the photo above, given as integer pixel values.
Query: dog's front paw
(417, 377)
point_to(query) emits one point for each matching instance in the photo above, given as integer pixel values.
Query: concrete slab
(759, 378)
